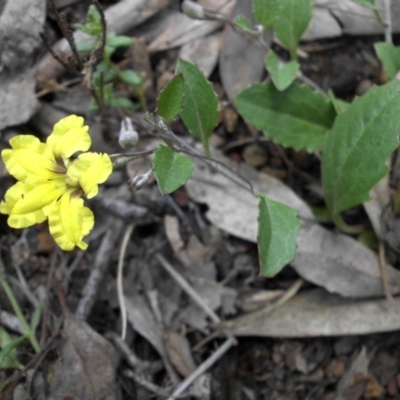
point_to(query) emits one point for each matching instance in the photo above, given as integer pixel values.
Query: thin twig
(207, 364)
(133, 360)
(101, 264)
(184, 284)
(145, 383)
(120, 288)
(100, 51)
(45, 314)
(62, 24)
(388, 20)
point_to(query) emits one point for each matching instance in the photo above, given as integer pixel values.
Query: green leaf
(244, 24)
(124, 103)
(293, 19)
(266, 12)
(200, 104)
(130, 77)
(116, 41)
(282, 74)
(86, 47)
(36, 317)
(277, 235)
(171, 169)
(339, 105)
(170, 100)
(93, 26)
(389, 55)
(298, 117)
(358, 145)
(8, 353)
(367, 3)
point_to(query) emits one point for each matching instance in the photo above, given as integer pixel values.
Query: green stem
(17, 309)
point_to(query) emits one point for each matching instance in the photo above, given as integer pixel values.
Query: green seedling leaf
(171, 169)
(244, 24)
(297, 117)
(293, 20)
(8, 353)
(116, 41)
(104, 73)
(170, 100)
(266, 12)
(339, 105)
(93, 26)
(36, 317)
(389, 55)
(277, 235)
(367, 3)
(86, 47)
(200, 104)
(124, 103)
(282, 74)
(130, 77)
(358, 145)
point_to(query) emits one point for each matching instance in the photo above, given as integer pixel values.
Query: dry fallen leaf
(242, 58)
(203, 52)
(87, 365)
(356, 374)
(319, 313)
(180, 29)
(178, 350)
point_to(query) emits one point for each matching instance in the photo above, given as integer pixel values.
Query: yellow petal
(38, 197)
(88, 170)
(70, 221)
(24, 219)
(69, 136)
(30, 158)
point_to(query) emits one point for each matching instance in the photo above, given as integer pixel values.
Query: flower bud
(128, 136)
(139, 181)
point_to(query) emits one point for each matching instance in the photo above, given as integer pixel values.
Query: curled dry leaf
(319, 258)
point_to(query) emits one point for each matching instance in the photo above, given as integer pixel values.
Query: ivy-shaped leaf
(358, 145)
(297, 117)
(282, 74)
(171, 169)
(389, 55)
(200, 104)
(170, 100)
(277, 235)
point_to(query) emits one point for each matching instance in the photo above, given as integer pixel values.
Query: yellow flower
(50, 184)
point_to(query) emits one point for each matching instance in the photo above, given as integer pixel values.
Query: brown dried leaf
(178, 351)
(319, 313)
(87, 365)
